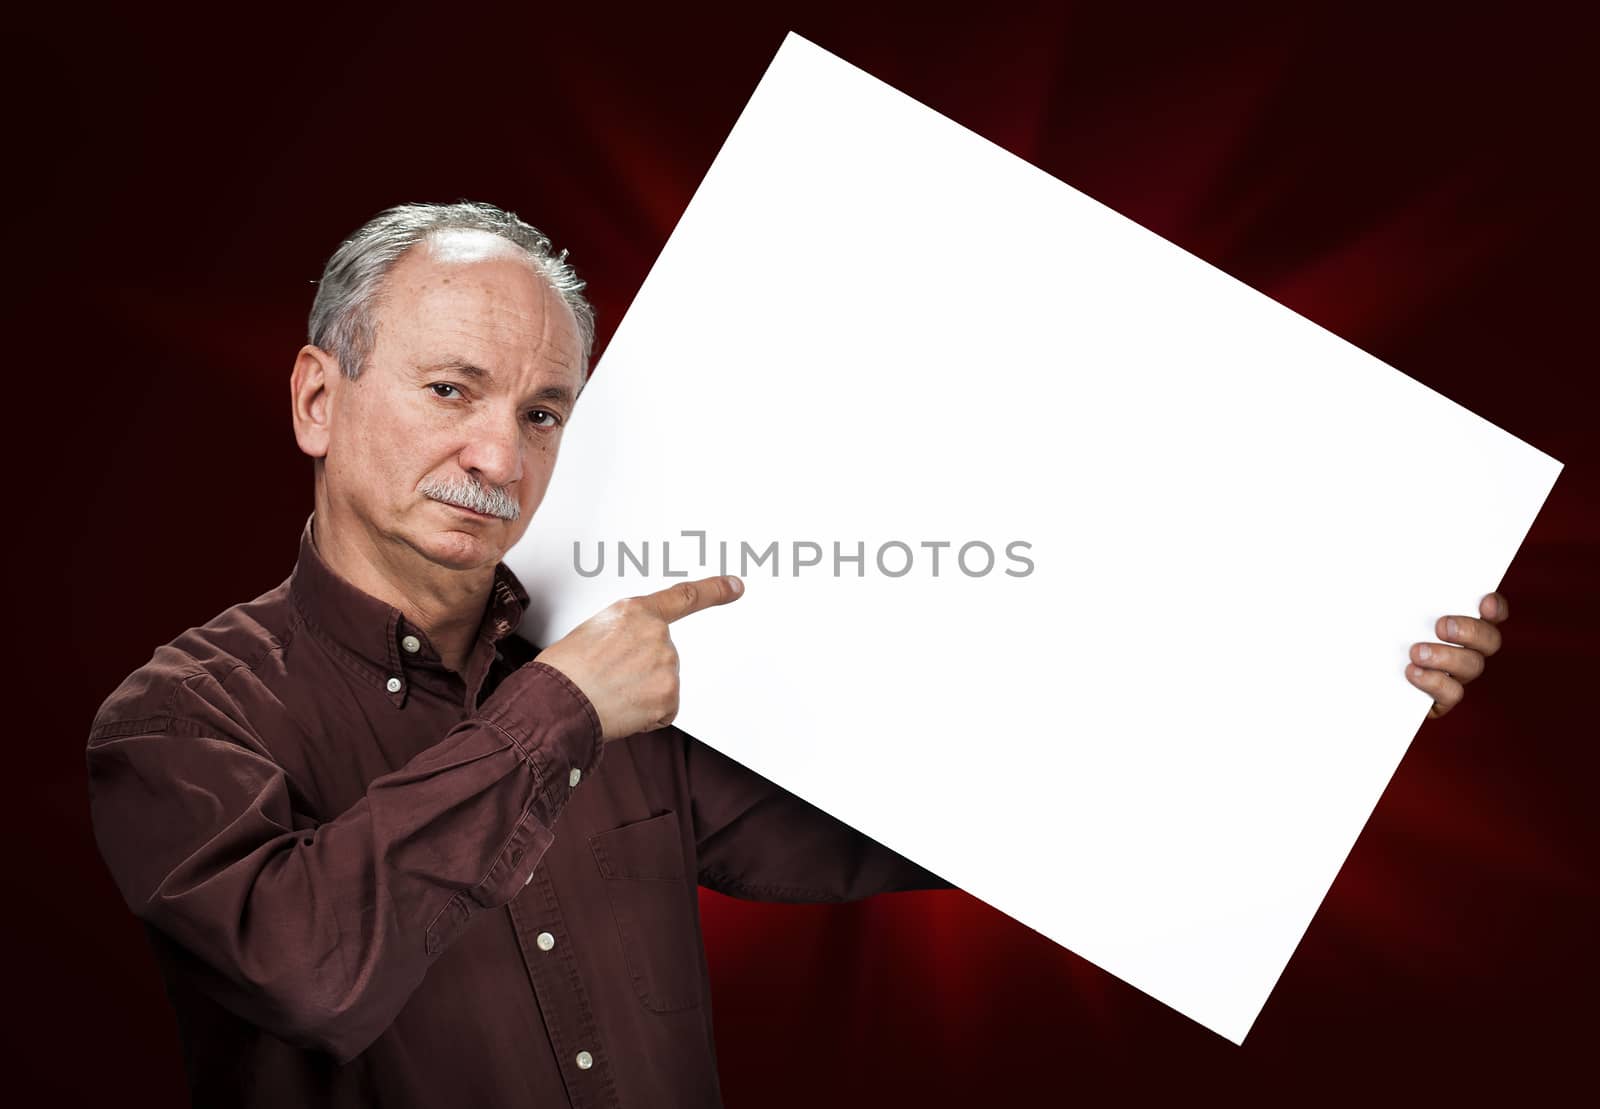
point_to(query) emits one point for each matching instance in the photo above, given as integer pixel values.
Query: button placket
(395, 682)
(563, 1000)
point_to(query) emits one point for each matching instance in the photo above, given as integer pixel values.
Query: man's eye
(438, 385)
(540, 418)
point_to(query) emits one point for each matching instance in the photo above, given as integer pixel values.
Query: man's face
(472, 377)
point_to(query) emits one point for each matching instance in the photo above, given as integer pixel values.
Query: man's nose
(494, 449)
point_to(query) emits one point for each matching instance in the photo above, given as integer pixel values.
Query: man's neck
(447, 604)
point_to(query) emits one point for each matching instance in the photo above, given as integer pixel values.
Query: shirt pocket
(655, 909)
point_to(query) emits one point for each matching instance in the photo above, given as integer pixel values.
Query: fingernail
(736, 585)
(1424, 653)
(1451, 629)
(1416, 671)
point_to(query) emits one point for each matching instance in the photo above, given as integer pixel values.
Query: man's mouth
(469, 511)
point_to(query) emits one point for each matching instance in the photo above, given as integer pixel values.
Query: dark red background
(1411, 181)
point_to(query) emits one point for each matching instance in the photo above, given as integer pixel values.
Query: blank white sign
(1151, 721)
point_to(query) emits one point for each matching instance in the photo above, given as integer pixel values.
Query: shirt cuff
(555, 727)
(556, 731)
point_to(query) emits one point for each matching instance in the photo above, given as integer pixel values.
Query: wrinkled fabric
(371, 880)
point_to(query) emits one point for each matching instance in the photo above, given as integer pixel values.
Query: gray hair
(344, 318)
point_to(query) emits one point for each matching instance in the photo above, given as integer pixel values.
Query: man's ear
(313, 385)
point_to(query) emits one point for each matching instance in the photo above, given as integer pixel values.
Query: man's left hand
(1443, 670)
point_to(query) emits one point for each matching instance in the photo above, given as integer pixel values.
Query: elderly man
(386, 855)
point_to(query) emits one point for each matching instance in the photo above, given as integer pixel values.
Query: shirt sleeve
(760, 842)
(319, 932)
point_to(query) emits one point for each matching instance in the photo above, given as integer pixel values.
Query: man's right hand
(623, 658)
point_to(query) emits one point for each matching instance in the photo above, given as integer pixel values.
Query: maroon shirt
(372, 880)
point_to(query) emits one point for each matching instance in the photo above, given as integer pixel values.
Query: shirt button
(392, 685)
(572, 778)
(411, 644)
(545, 941)
(526, 881)
(585, 1060)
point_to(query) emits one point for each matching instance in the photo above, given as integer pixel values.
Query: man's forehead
(469, 244)
(452, 259)
(467, 284)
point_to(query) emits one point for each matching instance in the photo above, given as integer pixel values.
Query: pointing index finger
(677, 601)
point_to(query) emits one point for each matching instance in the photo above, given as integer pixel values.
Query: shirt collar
(373, 636)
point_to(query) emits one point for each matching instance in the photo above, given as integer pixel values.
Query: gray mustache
(473, 494)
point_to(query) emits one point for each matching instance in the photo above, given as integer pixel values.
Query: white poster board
(1154, 732)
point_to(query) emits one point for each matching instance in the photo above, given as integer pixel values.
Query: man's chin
(464, 549)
